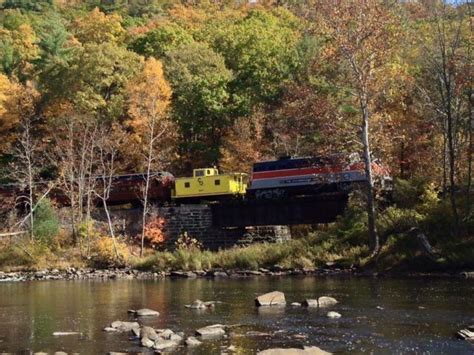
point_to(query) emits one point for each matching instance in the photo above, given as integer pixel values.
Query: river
(378, 315)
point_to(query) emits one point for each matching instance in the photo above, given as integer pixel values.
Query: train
(285, 177)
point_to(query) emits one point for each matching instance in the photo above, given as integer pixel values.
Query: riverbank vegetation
(98, 88)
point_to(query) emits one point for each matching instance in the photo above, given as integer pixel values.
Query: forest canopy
(243, 80)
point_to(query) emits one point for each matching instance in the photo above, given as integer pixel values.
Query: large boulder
(275, 298)
(311, 350)
(211, 331)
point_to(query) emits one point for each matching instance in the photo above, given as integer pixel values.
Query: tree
(161, 40)
(107, 149)
(56, 53)
(17, 49)
(362, 35)
(26, 166)
(261, 50)
(74, 158)
(97, 27)
(200, 80)
(96, 80)
(445, 83)
(9, 113)
(149, 98)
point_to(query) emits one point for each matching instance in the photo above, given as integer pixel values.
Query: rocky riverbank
(131, 274)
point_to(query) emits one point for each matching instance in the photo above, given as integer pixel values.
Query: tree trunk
(469, 154)
(111, 227)
(452, 164)
(374, 238)
(30, 193)
(147, 185)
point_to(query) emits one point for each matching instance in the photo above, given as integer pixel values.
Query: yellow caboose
(208, 182)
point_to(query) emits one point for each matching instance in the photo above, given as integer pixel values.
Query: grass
(299, 253)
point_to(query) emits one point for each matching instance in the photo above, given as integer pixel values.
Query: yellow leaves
(20, 47)
(149, 96)
(16, 101)
(98, 27)
(8, 112)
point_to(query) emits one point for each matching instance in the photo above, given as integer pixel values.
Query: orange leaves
(149, 97)
(154, 235)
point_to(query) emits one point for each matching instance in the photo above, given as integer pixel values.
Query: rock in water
(296, 304)
(58, 334)
(333, 315)
(147, 343)
(275, 298)
(313, 303)
(148, 333)
(145, 312)
(198, 304)
(311, 350)
(192, 341)
(211, 331)
(166, 334)
(124, 326)
(325, 301)
(162, 345)
(465, 334)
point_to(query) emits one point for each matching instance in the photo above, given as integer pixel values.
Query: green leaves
(97, 78)
(261, 49)
(200, 84)
(159, 41)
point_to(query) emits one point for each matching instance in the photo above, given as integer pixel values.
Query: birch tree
(106, 150)
(25, 168)
(150, 96)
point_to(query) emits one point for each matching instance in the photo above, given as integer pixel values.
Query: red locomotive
(310, 176)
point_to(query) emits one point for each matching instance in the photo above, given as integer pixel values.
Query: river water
(418, 315)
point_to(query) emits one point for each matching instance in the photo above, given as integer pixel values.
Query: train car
(125, 189)
(208, 183)
(128, 188)
(309, 176)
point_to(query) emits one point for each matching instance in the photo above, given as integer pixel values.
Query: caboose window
(187, 184)
(217, 182)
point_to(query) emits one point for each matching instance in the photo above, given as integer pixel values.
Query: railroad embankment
(416, 232)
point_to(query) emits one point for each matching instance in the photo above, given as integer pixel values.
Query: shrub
(26, 254)
(104, 253)
(46, 225)
(154, 235)
(187, 242)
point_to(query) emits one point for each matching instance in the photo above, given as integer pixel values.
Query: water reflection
(31, 312)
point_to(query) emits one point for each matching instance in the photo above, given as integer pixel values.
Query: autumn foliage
(154, 232)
